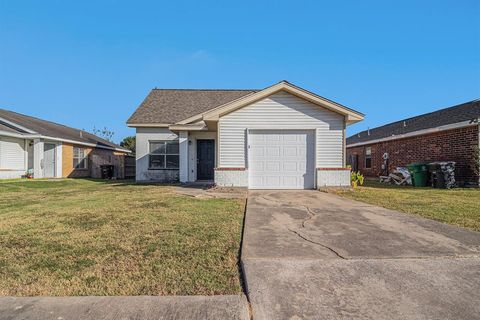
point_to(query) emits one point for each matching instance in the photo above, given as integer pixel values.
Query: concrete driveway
(312, 255)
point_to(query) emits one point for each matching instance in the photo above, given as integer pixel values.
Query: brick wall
(451, 145)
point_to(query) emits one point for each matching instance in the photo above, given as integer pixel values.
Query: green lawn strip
(84, 237)
(458, 206)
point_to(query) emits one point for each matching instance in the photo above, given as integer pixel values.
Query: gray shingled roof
(168, 106)
(462, 112)
(51, 129)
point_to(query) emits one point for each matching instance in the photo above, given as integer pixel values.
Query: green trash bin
(419, 173)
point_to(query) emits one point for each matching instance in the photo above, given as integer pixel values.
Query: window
(368, 157)
(163, 155)
(80, 158)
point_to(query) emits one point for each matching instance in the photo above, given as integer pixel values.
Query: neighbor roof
(168, 106)
(51, 129)
(462, 112)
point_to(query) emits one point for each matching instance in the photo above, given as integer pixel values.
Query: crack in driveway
(317, 243)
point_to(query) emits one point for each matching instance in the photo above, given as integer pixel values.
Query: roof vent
(368, 131)
(404, 124)
(81, 135)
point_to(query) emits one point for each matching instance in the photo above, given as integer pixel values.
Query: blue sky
(91, 63)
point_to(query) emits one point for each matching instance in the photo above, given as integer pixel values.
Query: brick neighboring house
(52, 150)
(450, 134)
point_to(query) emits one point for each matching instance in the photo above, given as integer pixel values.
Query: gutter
(39, 136)
(451, 126)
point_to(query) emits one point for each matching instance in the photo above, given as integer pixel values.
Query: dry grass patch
(84, 237)
(456, 206)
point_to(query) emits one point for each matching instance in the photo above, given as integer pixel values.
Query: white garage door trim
(281, 159)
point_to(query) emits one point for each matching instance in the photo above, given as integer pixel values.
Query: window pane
(75, 162)
(368, 162)
(157, 162)
(173, 161)
(172, 147)
(157, 147)
(368, 151)
(83, 163)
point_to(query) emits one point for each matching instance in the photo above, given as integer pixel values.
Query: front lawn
(459, 207)
(84, 237)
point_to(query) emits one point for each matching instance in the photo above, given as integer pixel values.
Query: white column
(183, 144)
(37, 158)
(58, 161)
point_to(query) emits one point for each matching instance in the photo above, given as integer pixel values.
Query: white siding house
(34, 147)
(282, 137)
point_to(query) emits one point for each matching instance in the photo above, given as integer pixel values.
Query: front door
(205, 159)
(49, 160)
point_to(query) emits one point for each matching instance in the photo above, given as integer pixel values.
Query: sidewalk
(122, 308)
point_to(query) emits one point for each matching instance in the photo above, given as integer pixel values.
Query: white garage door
(281, 159)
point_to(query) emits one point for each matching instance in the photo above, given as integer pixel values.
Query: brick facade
(452, 145)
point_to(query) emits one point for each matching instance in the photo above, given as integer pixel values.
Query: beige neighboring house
(280, 137)
(51, 150)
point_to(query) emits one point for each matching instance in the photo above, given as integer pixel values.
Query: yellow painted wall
(67, 163)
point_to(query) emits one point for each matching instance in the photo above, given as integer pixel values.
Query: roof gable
(351, 115)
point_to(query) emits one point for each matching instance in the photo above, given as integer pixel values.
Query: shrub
(356, 178)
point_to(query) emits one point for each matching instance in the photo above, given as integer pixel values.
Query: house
(450, 134)
(52, 150)
(281, 137)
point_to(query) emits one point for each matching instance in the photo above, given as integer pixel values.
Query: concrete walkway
(122, 308)
(312, 255)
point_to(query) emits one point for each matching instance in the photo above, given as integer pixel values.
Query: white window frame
(79, 158)
(165, 154)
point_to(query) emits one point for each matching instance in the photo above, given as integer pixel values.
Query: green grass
(85, 237)
(459, 207)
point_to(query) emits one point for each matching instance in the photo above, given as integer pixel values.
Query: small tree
(129, 143)
(104, 133)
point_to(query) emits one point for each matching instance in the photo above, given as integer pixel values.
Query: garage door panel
(273, 166)
(258, 151)
(290, 151)
(257, 166)
(273, 151)
(290, 166)
(285, 162)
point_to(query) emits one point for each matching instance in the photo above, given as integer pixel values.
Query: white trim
(39, 136)
(457, 125)
(189, 127)
(85, 144)
(183, 156)
(152, 125)
(16, 125)
(19, 135)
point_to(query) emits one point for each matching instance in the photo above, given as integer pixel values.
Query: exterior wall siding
(13, 158)
(143, 173)
(452, 145)
(281, 111)
(12, 154)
